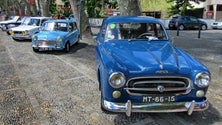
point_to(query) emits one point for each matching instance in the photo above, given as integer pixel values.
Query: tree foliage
(181, 6)
(97, 8)
(52, 8)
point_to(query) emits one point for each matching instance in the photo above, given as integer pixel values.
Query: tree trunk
(75, 8)
(129, 7)
(44, 8)
(84, 25)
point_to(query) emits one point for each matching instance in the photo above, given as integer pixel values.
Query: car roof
(114, 19)
(62, 20)
(40, 17)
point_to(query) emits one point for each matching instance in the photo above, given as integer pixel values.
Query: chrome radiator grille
(158, 85)
(47, 43)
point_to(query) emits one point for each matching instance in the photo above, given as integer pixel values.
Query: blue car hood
(50, 35)
(149, 57)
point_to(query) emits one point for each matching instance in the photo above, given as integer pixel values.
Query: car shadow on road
(207, 117)
(73, 49)
(22, 41)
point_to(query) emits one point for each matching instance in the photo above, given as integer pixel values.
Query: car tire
(77, 42)
(35, 50)
(181, 27)
(67, 47)
(203, 27)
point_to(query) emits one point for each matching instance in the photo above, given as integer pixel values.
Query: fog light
(116, 94)
(200, 93)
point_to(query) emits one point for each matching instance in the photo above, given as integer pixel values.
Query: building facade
(212, 9)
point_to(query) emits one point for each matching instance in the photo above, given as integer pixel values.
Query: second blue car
(56, 35)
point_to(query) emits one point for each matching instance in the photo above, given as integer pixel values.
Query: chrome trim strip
(156, 107)
(188, 88)
(156, 90)
(158, 81)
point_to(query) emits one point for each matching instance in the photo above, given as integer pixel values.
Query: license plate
(43, 43)
(159, 99)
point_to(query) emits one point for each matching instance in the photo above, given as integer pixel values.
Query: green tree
(66, 5)
(53, 8)
(180, 6)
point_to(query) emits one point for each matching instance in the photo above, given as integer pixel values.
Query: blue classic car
(140, 70)
(56, 35)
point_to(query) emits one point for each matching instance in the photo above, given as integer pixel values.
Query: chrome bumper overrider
(130, 107)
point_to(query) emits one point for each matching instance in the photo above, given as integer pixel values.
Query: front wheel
(34, 49)
(181, 27)
(203, 27)
(67, 47)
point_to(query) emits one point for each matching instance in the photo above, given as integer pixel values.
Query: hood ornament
(162, 72)
(161, 66)
(160, 88)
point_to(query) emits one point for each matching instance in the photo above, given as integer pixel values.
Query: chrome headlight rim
(202, 79)
(117, 80)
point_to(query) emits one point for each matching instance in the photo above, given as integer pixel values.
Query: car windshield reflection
(34, 22)
(135, 31)
(55, 26)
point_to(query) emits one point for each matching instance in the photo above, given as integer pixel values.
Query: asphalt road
(57, 88)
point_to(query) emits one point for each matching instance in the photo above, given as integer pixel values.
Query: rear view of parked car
(217, 24)
(11, 19)
(56, 35)
(186, 22)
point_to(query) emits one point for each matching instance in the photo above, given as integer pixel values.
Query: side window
(193, 19)
(43, 21)
(71, 27)
(74, 26)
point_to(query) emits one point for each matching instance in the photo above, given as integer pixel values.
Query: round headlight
(117, 80)
(202, 79)
(59, 39)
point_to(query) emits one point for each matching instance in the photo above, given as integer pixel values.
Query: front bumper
(48, 47)
(130, 107)
(216, 27)
(21, 37)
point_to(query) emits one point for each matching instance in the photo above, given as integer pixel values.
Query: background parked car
(11, 19)
(26, 31)
(217, 24)
(8, 26)
(186, 22)
(58, 34)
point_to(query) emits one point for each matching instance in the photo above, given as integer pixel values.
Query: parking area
(60, 88)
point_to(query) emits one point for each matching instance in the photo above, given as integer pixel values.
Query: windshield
(26, 21)
(34, 22)
(135, 30)
(55, 26)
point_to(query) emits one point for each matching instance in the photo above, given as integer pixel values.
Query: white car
(10, 20)
(217, 24)
(23, 32)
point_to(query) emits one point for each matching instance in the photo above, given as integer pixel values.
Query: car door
(73, 33)
(194, 23)
(187, 22)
